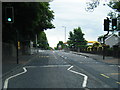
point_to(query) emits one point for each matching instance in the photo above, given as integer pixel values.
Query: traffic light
(114, 24)
(9, 14)
(106, 24)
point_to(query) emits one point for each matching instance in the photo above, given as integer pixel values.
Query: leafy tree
(76, 39)
(115, 5)
(60, 45)
(29, 19)
(42, 41)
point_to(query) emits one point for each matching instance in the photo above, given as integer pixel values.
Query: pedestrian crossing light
(9, 14)
(114, 24)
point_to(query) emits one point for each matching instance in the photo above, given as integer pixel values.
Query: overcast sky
(72, 14)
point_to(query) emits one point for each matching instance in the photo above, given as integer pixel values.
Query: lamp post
(65, 32)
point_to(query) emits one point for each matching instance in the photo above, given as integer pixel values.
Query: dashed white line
(54, 56)
(65, 57)
(85, 76)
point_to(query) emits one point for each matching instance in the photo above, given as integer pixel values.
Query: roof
(109, 36)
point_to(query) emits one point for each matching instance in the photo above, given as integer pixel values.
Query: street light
(65, 32)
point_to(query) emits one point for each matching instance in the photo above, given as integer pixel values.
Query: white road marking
(54, 56)
(25, 70)
(48, 66)
(6, 81)
(65, 57)
(85, 76)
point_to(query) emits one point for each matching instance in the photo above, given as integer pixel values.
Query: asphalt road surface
(58, 69)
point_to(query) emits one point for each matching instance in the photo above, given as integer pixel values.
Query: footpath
(108, 59)
(9, 64)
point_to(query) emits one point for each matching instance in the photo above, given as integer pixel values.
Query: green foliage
(55, 48)
(115, 5)
(76, 38)
(96, 44)
(60, 45)
(30, 18)
(42, 41)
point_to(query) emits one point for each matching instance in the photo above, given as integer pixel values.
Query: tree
(115, 5)
(29, 20)
(60, 45)
(76, 39)
(42, 41)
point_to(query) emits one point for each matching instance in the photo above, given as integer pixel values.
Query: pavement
(9, 64)
(108, 59)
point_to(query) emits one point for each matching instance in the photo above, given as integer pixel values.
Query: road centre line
(44, 56)
(114, 73)
(54, 55)
(7, 80)
(85, 76)
(118, 82)
(104, 75)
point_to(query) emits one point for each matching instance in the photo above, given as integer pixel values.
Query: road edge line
(7, 80)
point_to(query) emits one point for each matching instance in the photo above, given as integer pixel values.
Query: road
(58, 69)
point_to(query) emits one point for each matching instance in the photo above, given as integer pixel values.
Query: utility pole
(36, 42)
(65, 32)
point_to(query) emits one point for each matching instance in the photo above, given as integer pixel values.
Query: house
(110, 40)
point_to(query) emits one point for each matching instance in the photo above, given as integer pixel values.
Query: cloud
(71, 15)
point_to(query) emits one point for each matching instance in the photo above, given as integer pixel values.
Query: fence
(115, 51)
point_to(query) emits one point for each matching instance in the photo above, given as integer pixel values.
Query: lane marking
(114, 73)
(85, 76)
(48, 66)
(7, 80)
(104, 75)
(54, 56)
(44, 56)
(65, 57)
(118, 82)
(25, 70)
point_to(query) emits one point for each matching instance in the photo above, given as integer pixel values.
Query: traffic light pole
(106, 28)
(104, 45)
(17, 47)
(9, 18)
